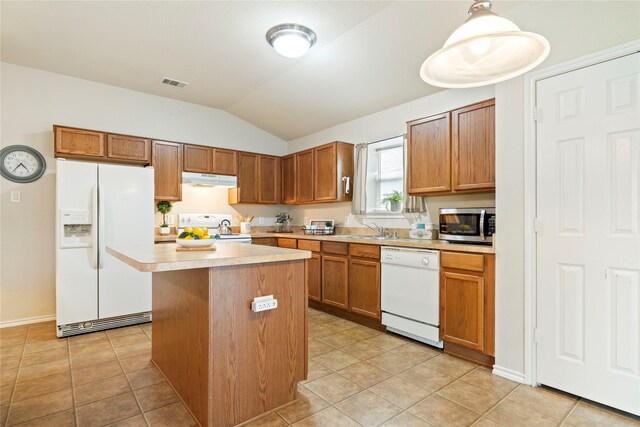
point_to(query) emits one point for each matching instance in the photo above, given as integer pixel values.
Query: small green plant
(283, 218)
(164, 207)
(394, 197)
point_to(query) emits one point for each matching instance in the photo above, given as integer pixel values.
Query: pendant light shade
(486, 49)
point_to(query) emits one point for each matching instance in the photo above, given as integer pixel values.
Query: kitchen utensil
(250, 218)
(240, 218)
(225, 227)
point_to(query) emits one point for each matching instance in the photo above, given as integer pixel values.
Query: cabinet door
(197, 159)
(225, 162)
(247, 178)
(82, 143)
(304, 176)
(268, 182)
(325, 172)
(167, 165)
(314, 277)
(129, 148)
(462, 309)
(364, 287)
(429, 155)
(335, 281)
(288, 185)
(264, 241)
(473, 147)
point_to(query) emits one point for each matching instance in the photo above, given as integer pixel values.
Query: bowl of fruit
(195, 238)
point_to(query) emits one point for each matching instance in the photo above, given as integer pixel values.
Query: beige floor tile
(134, 350)
(39, 386)
(102, 389)
(316, 348)
(136, 363)
(361, 333)
(406, 419)
(40, 406)
(125, 340)
(426, 377)
(336, 360)
(14, 330)
(486, 422)
(545, 400)
(8, 376)
(512, 413)
(439, 411)
(85, 338)
(416, 352)
(11, 351)
(137, 421)
(10, 362)
(145, 378)
(108, 411)
(391, 362)
(450, 366)
(362, 350)
(47, 334)
(386, 342)
(13, 341)
(4, 410)
(589, 415)
(338, 340)
(315, 371)
(95, 373)
(90, 347)
(45, 356)
(365, 374)
(333, 388)
(127, 330)
(483, 378)
(308, 403)
(156, 396)
(174, 415)
(329, 417)
(61, 419)
(400, 392)
(83, 360)
(5, 394)
(40, 370)
(470, 396)
(45, 345)
(368, 408)
(269, 420)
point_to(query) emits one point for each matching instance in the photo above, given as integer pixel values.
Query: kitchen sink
(359, 236)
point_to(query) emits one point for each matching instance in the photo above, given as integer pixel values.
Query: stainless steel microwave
(469, 225)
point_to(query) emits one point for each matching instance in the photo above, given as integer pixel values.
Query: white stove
(212, 223)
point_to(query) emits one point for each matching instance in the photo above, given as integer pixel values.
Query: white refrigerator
(100, 205)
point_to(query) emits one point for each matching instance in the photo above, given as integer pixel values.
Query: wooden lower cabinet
(313, 269)
(284, 242)
(264, 241)
(364, 287)
(335, 280)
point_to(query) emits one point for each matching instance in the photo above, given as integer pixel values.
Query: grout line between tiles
(15, 381)
(73, 386)
(499, 402)
(568, 414)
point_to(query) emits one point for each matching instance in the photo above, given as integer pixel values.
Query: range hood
(209, 180)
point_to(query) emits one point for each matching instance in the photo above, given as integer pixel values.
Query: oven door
(463, 225)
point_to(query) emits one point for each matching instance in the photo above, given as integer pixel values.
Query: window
(385, 174)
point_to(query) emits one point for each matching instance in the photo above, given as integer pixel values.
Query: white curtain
(359, 201)
(412, 204)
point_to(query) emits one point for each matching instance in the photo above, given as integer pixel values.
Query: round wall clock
(20, 163)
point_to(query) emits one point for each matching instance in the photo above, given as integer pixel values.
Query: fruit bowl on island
(200, 243)
(195, 238)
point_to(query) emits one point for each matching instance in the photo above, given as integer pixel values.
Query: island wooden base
(227, 363)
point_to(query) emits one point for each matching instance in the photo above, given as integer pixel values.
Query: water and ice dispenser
(75, 228)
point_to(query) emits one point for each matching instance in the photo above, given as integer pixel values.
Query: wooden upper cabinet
(78, 142)
(288, 179)
(247, 178)
(429, 155)
(129, 148)
(473, 147)
(332, 162)
(304, 176)
(197, 158)
(225, 162)
(268, 179)
(167, 164)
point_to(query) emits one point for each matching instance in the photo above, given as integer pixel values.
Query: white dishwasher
(411, 293)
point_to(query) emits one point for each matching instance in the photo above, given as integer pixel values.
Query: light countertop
(155, 258)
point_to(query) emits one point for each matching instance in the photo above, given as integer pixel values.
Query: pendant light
(486, 49)
(291, 40)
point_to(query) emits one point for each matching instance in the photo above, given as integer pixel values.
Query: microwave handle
(482, 215)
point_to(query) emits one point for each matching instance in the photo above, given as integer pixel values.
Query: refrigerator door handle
(103, 231)
(94, 227)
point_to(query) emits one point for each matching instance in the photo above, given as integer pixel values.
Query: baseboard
(508, 374)
(26, 321)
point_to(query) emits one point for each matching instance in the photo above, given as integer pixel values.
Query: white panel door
(588, 243)
(126, 219)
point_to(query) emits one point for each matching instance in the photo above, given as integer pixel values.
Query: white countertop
(155, 258)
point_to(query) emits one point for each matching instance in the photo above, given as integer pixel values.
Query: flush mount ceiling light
(291, 40)
(486, 49)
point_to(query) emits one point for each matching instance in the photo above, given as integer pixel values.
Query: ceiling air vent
(173, 82)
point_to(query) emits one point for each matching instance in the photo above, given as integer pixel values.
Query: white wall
(31, 102)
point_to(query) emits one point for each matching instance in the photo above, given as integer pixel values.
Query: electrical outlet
(305, 221)
(15, 197)
(264, 303)
(260, 220)
(170, 219)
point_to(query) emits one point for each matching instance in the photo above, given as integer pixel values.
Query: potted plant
(164, 207)
(394, 200)
(283, 221)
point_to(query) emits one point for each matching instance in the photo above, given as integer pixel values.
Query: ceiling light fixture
(486, 49)
(291, 40)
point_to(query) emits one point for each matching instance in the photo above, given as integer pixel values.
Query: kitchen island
(228, 363)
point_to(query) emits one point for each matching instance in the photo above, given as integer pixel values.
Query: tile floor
(357, 376)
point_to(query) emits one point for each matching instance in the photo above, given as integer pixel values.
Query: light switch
(170, 219)
(15, 197)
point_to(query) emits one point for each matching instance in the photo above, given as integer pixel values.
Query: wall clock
(19, 163)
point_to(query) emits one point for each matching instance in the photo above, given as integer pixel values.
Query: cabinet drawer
(462, 261)
(265, 241)
(309, 245)
(335, 248)
(283, 242)
(364, 251)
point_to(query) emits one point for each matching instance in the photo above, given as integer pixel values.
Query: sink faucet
(376, 229)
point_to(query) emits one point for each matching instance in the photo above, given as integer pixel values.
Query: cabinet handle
(347, 186)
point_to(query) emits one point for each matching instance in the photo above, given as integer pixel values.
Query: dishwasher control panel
(418, 258)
